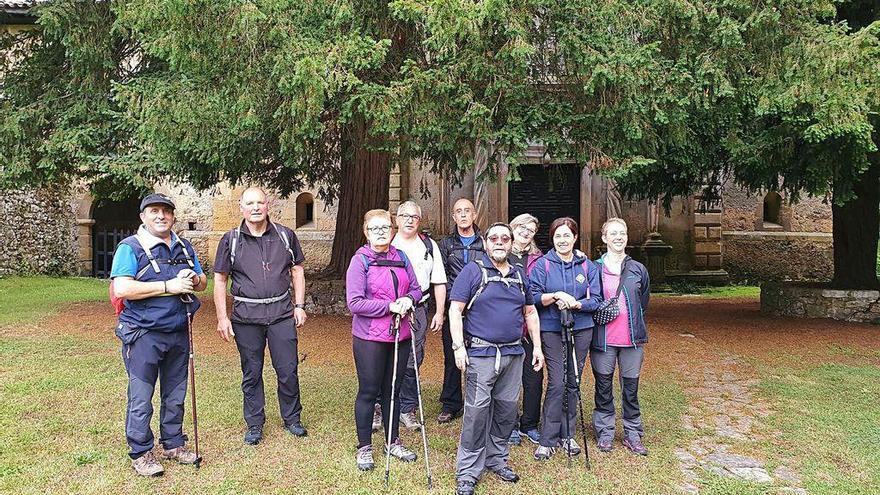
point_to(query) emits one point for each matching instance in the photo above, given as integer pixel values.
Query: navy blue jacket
(578, 277)
(636, 293)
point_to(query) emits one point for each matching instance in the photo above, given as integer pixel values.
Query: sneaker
(605, 445)
(564, 447)
(533, 435)
(377, 418)
(364, 458)
(635, 445)
(401, 452)
(515, 438)
(181, 454)
(410, 422)
(543, 453)
(297, 430)
(147, 465)
(464, 488)
(254, 435)
(448, 416)
(507, 475)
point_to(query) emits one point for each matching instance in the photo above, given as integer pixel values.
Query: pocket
(127, 334)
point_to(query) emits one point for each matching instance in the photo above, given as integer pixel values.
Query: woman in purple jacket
(380, 283)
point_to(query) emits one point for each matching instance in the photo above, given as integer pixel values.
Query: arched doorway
(114, 221)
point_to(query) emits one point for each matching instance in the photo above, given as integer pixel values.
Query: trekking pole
(187, 300)
(577, 379)
(565, 347)
(412, 324)
(395, 329)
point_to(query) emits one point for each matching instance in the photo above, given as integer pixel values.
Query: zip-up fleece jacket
(369, 289)
(636, 293)
(527, 261)
(578, 277)
(453, 250)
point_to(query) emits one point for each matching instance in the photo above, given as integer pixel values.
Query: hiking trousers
(554, 426)
(489, 415)
(163, 356)
(251, 342)
(450, 396)
(374, 363)
(629, 360)
(408, 396)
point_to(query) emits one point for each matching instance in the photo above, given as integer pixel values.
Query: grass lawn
(62, 401)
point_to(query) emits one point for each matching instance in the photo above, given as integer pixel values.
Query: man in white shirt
(427, 264)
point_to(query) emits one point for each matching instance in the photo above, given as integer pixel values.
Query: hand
(179, 286)
(186, 273)
(437, 322)
(577, 305)
(299, 316)
(405, 303)
(461, 359)
(394, 307)
(224, 328)
(537, 358)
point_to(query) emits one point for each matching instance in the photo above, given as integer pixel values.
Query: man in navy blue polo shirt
(495, 299)
(151, 271)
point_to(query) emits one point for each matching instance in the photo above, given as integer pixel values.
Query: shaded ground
(722, 392)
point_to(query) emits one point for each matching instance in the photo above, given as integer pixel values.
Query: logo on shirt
(580, 278)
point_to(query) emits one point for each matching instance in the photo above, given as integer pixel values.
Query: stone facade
(38, 231)
(755, 256)
(814, 301)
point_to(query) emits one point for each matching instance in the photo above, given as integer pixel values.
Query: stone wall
(815, 301)
(744, 211)
(777, 256)
(326, 297)
(38, 232)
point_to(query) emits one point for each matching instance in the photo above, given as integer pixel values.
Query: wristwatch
(456, 347)
(299, 306)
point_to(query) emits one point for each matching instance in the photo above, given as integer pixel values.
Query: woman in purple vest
(525, 253)
(380, 284)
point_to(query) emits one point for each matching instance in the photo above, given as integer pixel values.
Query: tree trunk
(856, 225)
(364, 186)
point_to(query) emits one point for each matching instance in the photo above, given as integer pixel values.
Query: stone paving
(723, 412)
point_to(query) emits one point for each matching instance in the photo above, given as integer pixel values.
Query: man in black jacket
(462, 246)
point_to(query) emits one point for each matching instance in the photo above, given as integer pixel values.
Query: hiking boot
(401, 452)
(507, 475)
(377, 418)
(410, 422)
(543, 453)
(448, 416)
(533, 435)
(181, 454)
(147, 465)
(464, 488)
(605, 445)
(564, 447)
(635, 445)
(297, 430)
(254, 435)
(364, 458)
(515, 438)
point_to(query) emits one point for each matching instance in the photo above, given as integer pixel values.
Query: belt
(268, 300)
(478, 342)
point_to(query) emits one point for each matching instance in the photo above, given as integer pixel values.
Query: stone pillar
(707, 235)
(396, 189)
(655, 253)
(84, 246)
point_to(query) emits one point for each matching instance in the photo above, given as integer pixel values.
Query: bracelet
(165, 286)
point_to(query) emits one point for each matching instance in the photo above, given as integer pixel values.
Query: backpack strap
(286, 241)
(485, 279)
(235, 234)
(429, 247)
(149, 254)
(189, 259)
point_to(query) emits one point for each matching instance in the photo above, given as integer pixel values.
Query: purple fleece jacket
(370, 291)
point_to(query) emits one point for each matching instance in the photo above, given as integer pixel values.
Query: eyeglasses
(379, 229)
(495, 238)
(528, 230)
(407, 217)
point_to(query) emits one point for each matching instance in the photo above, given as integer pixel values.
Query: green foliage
(27, 299)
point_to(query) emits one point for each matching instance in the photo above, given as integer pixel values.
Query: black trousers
(451, 399)
(251, 341)
(374, 362)
(533, 389)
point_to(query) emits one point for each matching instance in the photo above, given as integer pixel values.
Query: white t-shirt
(428, 267)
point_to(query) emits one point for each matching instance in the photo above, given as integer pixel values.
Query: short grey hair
(407, 204)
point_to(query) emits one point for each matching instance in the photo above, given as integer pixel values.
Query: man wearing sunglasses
(489, 303)
(463, 245)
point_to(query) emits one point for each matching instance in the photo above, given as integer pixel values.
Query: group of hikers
(505, 310)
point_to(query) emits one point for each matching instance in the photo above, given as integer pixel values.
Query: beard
(498, 258)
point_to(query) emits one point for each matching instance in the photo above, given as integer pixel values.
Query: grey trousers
(553, 426)
(629, 360)
(408, 400)
(489, 415)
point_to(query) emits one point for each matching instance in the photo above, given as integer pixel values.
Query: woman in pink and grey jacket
(379, 284)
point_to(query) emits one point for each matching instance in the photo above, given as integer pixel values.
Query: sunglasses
(495, 238)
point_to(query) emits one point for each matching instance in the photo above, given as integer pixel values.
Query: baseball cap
(156, 199)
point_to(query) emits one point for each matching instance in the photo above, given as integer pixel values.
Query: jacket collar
(151, 241)
(243, 228)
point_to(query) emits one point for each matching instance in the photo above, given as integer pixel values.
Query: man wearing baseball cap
(151, 270)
